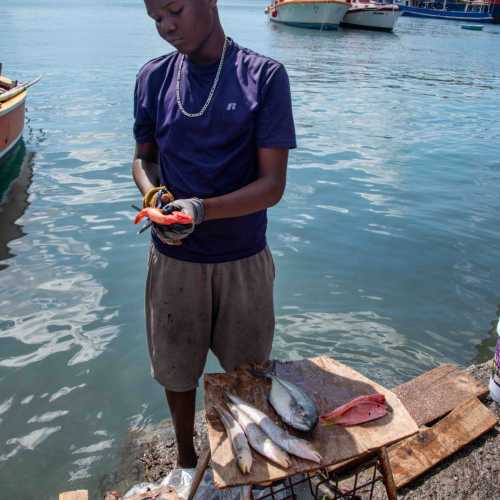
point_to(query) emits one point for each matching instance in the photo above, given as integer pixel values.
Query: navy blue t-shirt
(216, 153)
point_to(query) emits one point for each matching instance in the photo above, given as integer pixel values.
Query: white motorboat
(369, 14)
(317, 14)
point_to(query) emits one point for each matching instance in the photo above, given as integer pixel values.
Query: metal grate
(351, 482)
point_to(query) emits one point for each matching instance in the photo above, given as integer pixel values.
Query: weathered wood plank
(329, 384)
(160, 493)
(436, 392)
(415, 455)
(74, 495)
(201, 467)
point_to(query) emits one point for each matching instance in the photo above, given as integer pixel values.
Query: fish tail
(139, 217)
(226, 397)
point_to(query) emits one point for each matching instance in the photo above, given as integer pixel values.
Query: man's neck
(211, 49)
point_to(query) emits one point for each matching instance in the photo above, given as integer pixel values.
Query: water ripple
(385, 242)
(361, 340)
(29, 441)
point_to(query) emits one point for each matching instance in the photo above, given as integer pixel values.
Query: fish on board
(291, 403)
(258, 439)
(293, 445)
(357, 411)
(238, 440)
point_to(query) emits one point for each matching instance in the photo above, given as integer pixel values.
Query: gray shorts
(191, 308)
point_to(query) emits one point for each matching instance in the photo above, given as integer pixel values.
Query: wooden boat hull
(11, 122)
(315, 14)
(376, 18)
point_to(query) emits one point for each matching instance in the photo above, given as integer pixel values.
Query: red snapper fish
(157, 216)
(357, 411)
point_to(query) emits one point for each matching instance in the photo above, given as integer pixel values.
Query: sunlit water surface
(386, 242)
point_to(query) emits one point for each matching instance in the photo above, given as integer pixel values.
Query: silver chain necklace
(212, 90)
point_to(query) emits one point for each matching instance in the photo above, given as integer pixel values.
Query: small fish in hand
(157, 216)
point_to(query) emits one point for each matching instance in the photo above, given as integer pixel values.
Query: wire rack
(355, 480)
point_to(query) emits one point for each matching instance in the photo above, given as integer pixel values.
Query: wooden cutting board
(329, 384)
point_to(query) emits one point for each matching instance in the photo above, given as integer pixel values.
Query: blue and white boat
(476, 11)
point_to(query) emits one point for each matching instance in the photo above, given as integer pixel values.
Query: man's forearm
(146, 174)
(258, 195)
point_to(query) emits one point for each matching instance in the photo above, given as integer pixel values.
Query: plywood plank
(329, 384)
(160, 493)
(74, 495)
(413, 456)
(436, 392)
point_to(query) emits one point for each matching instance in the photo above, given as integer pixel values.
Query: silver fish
(238, 440)
(258, 439)
(292, 404)
(298, 447)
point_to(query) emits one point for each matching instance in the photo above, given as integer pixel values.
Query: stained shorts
(193, 307)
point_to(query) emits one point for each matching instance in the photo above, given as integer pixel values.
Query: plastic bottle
(495, 372)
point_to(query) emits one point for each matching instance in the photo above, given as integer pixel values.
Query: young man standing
(213, 123)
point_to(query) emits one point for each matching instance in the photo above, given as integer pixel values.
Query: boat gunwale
(373, 9)
(279, 3)
(12, 103)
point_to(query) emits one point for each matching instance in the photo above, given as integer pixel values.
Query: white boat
(317, 14)
(369, 14)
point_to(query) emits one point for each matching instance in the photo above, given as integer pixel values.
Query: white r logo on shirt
(231, 106)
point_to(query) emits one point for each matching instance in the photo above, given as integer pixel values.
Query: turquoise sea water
(386, 242)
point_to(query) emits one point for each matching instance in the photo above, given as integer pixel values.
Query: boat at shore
(476, 11)
(316, 14)
(369, 14)
(12, 109)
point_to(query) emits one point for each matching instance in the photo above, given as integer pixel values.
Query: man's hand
(176, 232)
(157, 197)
